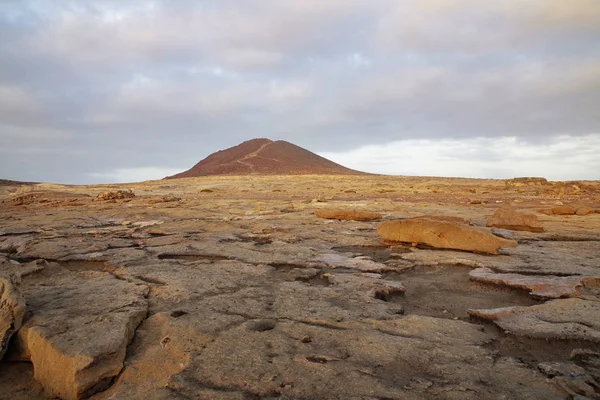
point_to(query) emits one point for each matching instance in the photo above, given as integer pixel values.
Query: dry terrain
(264, 287)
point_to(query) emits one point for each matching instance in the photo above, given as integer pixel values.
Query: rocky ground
(232, 288)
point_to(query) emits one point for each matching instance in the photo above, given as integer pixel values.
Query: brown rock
(546, 211)
(118, 195)
(526, 181)
(79, 329)
(477, 201)
(584, 211)
(563, 210)
(346, 215)
(445, 218)
(12, 309)
(588, 359)
(443, 235)
(164, 199)
(547, 286)
(572, 378)
(508, 218)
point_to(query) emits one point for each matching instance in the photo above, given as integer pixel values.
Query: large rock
(346, 215)
(508, 218)
(79, 329)
(445, 218)
(12, 309)
(563, 319)
(563, 210)
(442, 235)
(584, 211)
(546, 286)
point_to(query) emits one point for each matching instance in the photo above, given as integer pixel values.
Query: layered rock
(508, 218)
(564, 319)
(445, 218)
(12, 309)
(345, 215)
(79, 328)
(442, 235)
(546, 286)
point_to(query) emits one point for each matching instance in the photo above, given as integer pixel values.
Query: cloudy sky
(125, 90)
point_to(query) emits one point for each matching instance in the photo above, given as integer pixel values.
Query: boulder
(346, 215)
(546, 211)
(12, 309)
(508, 218)
(562, 319)
(563, 210)
(442, 235)
(584, 211)
(78, 330)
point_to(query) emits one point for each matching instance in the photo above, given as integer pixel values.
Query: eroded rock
(442, 235)
(566, 319)
(79, 328)
(563, 210)
(584, 211)
(118, 195)
(445, 218)
(508, 218)
(345, 215)
(547, 286)
(12, 309)
(572, 378)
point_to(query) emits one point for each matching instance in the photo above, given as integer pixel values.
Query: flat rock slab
(345, 215)
(552, 287)
(12, 309)
(410, 358)
(340, 261)
(442, 235)
(565, 319)
(508, 218)
(78, 327)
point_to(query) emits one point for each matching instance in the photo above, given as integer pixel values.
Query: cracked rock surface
(238, 290)
(12, 309)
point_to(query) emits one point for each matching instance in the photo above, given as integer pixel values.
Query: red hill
(265, 157)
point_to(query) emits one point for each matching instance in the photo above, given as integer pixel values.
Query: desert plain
(232, 287)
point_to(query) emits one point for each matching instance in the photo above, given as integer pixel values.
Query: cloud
(125, 175)
(137, 83)
(563, 158)
(472, 26)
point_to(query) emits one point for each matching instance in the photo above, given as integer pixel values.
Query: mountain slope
(265, 157)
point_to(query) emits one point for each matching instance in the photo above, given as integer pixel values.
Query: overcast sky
(106, 91)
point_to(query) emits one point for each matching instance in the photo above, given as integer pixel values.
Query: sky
(127, 90)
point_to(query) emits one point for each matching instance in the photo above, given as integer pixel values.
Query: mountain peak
(264, 156)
